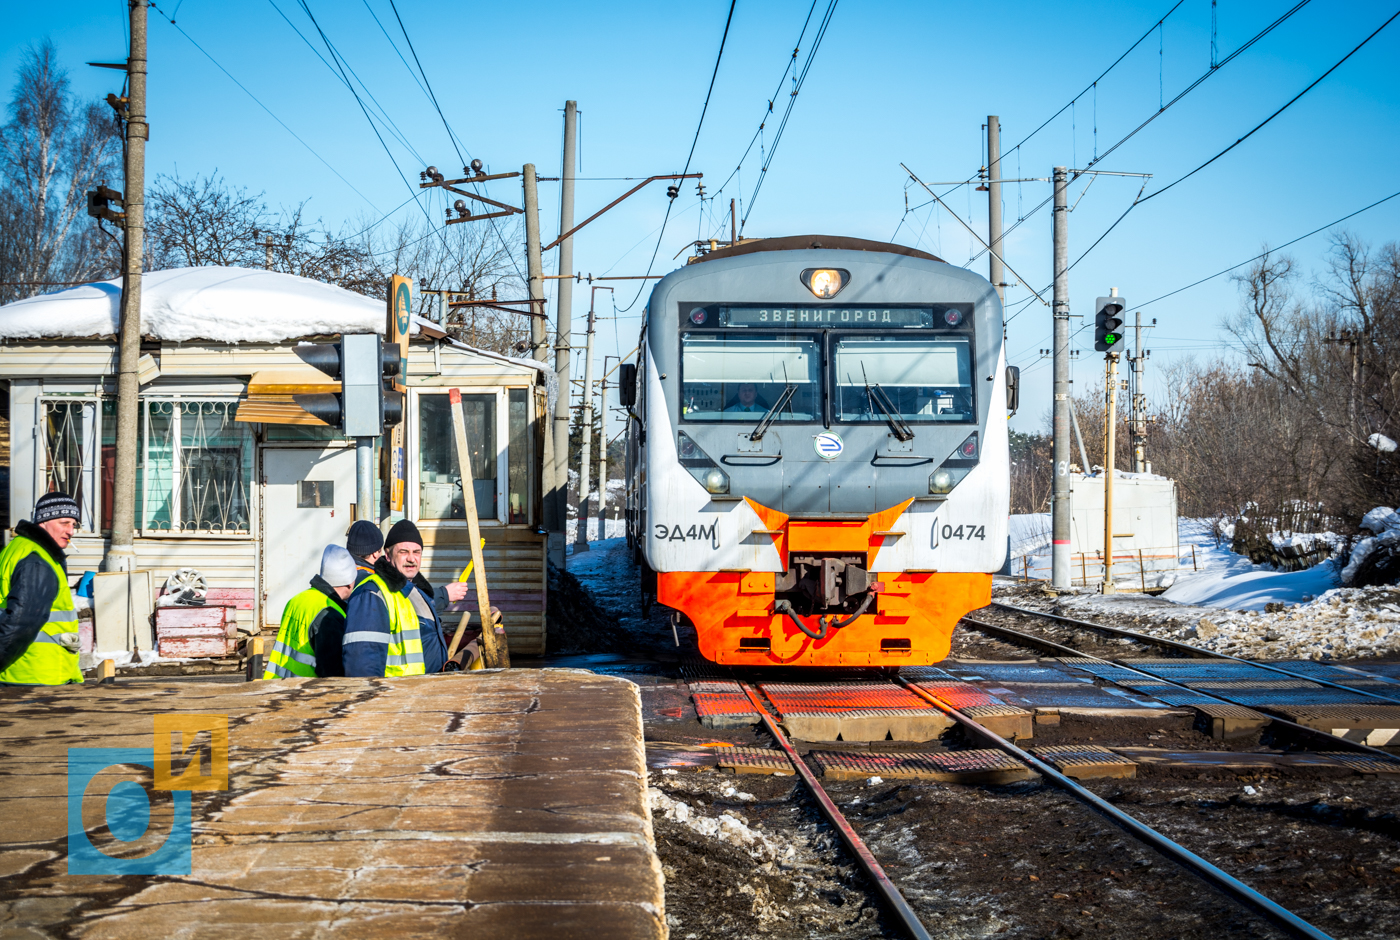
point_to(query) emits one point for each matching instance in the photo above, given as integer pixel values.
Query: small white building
(224, 489)
(1145, 541)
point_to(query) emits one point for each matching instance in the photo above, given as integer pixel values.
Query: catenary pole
(534, 266)
(563, 335)
(121, 551)
(1060, 507)
(603, 454)
(586, 432)
(1139, 403)
(994, 205)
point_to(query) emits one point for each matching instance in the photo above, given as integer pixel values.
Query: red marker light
(969, 447)
(698, 316)
(952, 317)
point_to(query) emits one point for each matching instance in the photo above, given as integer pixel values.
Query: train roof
(801, 242)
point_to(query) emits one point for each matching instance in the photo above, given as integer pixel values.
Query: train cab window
(739, 378)
(926, 379)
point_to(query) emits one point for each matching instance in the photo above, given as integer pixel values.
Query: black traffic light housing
(364, 364)
(99, 204)
(1108, 318)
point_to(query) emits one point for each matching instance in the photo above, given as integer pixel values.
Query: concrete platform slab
(508, 804)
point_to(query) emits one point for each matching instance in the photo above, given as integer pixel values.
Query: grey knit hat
(53, 506)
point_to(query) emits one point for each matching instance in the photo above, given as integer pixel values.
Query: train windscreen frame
(731, 376)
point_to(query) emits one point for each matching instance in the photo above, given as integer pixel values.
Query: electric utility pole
(585, 458)
(563, 335)
(1138, 397)
(534, 266)
(1060, 505)
(994, 206)
(1109, 451)
(603, 452)
(121, 551)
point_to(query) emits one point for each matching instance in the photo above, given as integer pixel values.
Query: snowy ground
(1222, 601)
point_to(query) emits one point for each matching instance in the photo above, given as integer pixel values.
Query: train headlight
(716, 480)
(825, 283)
(942, 480)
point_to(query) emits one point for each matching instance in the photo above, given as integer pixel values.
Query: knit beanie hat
(363, 539)
(403, 531)
(337, 566)
(53, 506)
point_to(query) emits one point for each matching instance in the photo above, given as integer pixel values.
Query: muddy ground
(1018, 861)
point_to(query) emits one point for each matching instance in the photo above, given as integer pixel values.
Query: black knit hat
(363, 539)
(53, 506)
(403, 531)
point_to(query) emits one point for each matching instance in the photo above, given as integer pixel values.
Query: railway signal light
(362, 362)
(1107, 320)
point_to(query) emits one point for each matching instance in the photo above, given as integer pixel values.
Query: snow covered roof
(229, 305)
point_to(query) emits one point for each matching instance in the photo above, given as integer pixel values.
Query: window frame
(413, 506)
(829, 357)
(177, 472)
(90, 452)
(814, 336)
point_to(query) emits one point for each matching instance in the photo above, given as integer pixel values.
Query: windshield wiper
(878, 398)
(772, 413)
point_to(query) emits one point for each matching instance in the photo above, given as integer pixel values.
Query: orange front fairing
(912, 624)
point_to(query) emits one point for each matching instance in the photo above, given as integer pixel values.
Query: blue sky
(891, 83)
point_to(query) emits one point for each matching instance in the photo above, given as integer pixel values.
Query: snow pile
(724, 827)
(1373, 559)
(230, 305)
(1340, 623)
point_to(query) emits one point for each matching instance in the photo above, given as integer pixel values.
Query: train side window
(926, 378)
(738, 378)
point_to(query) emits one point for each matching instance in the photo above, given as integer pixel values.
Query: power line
(787, 113)
(1270, 251)
(1095, 82)
(1311, 85)
(695, 140)
(269, 111)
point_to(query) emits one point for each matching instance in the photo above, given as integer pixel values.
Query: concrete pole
(1139, 404)
(534, 266)
(563, 333)
(121, 552)
(994, 205)
(1059, 506)
(586, 458)
(603, 454)
(1109, 443)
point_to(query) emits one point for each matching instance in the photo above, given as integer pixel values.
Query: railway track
(899, 908)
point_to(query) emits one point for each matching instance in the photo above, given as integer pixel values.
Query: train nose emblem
(828, 445)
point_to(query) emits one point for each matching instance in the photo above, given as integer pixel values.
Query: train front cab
(867, 558)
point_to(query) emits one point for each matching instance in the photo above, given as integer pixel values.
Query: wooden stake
(493, 648)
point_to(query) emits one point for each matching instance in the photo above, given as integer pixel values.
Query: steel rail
(1237, 890)
(1315, 733)
(883, 886)
(1193, 650)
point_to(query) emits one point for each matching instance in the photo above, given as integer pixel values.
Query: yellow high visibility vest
(292, 654)
(405, 640)
(46, 661)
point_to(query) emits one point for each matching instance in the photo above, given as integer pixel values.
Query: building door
(306, 505)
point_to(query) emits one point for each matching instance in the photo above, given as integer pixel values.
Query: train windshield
(738, 378)
(924, 378)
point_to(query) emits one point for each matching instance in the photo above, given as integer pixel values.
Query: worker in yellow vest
(39, 629)
(313, 622)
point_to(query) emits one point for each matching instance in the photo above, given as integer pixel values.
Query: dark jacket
(33, 588)
(327, 632)
(367, 613)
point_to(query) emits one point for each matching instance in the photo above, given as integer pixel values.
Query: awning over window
(277, 396)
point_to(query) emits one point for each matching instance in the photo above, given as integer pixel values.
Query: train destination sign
(843, 317)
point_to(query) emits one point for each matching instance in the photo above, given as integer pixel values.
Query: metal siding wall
(515, 567)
